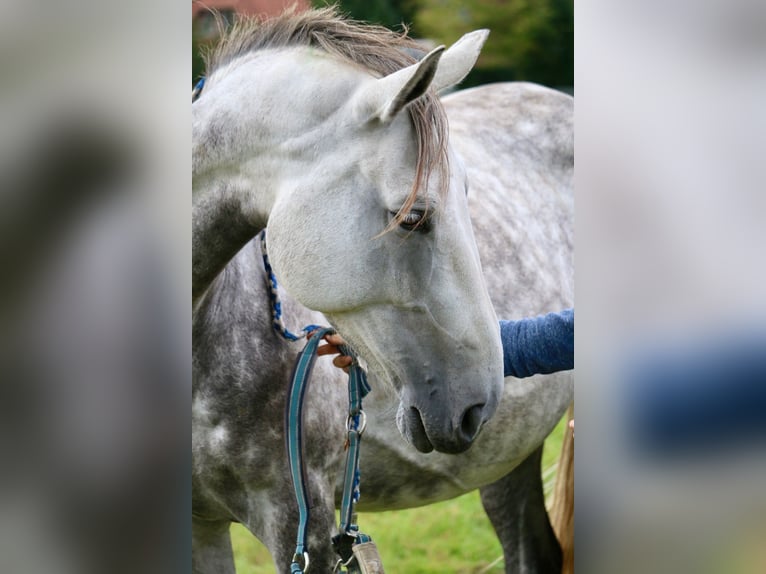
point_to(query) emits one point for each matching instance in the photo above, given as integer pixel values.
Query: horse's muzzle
(452, 439)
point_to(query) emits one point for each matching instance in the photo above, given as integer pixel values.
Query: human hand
(332, 348)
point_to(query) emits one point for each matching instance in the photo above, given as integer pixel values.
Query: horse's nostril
(416, 420)
(471, 423)
(418, 433)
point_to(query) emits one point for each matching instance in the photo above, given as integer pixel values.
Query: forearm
(538, 345)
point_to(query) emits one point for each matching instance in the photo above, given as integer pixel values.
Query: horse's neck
(219, 230)
(233, 197)
(233, 319)
(233, 188)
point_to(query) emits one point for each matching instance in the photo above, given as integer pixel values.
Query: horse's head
(396, 272)
(332, 135)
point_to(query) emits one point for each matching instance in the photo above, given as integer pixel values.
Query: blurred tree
(198, 65)
(207, 28)
(530, 40)
(389, 13)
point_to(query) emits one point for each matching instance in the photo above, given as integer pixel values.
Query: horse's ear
(384, 98)
(459, 59)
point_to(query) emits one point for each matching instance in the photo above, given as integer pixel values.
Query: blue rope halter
(198, 89)
(349, 538)
(276, 303)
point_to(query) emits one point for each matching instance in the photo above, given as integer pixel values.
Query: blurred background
(530, 40)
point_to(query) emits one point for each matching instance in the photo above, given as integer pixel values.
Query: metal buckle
(345, 564)
(362, 423)
(306, 560)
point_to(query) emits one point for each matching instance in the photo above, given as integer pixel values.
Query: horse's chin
(412, 429)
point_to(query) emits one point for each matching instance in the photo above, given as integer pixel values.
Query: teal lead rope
(294, 422)
(349, 537)
(356, 550)
(358, 388)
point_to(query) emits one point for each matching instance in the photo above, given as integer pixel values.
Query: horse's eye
(412, 218)
(415, 220)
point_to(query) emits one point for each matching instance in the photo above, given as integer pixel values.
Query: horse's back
(517, 142)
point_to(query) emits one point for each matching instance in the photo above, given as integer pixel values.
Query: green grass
(451, 537)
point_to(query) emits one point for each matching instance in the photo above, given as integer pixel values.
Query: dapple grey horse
(329, 133)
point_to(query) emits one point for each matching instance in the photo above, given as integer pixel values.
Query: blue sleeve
(697, 398)
(538, 345)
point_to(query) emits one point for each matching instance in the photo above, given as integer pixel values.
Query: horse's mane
(375, 48)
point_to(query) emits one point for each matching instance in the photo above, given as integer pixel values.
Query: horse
(330, 133)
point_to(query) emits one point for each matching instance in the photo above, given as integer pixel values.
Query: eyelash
(415, 220)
